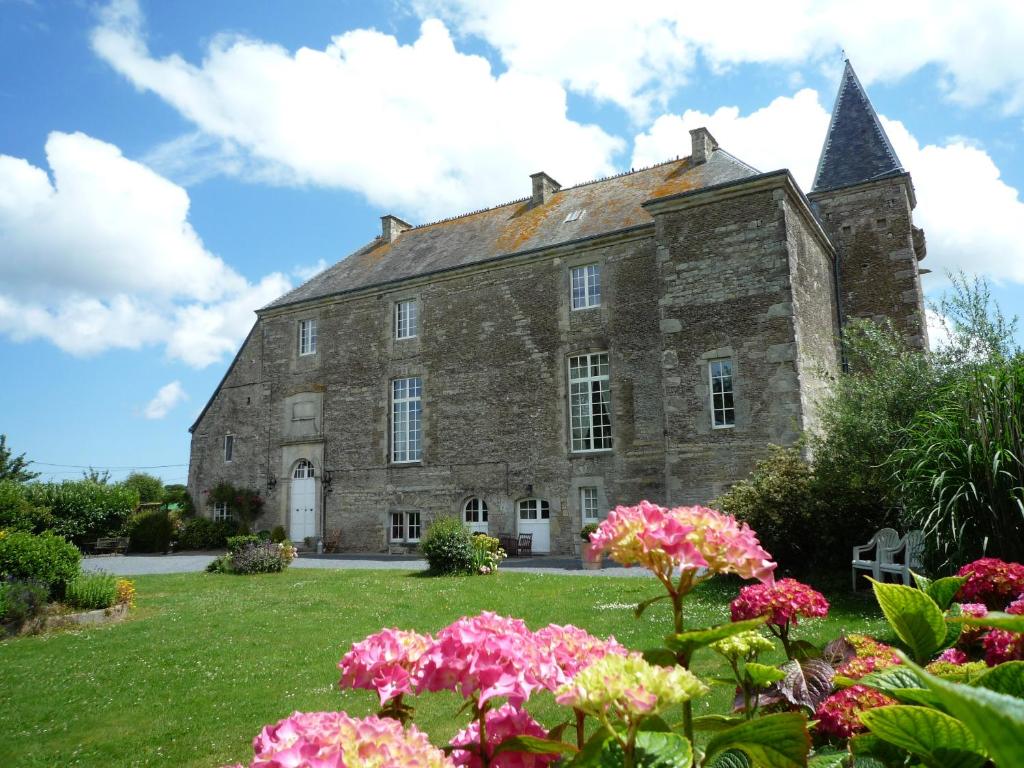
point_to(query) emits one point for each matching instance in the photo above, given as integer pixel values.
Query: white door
(474, 515)
(535, 517)
(303, 503)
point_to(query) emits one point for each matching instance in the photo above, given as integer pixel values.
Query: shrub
(125, 592)
(263, 535)
(17, 513)
(91, 591)
(46, 558)
(203, 533)
(21, 601)
(487, 553)
(220, 564)
(150, 531)
(278, 534)
(961, 469)
(236, 543)
(244, 503)
(260, 557)
(448, 547)
(82, 510)
(148, 487)
(586, 530)
(778, 500)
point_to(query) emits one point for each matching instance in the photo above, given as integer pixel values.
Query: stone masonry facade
(700, 260)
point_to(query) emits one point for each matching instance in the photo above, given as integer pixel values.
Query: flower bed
(853, 696)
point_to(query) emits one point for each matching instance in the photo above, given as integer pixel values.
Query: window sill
(415, 463)
(723, 426)
(592, 451)
(584, 309)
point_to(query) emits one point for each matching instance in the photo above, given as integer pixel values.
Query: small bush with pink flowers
(949, 694)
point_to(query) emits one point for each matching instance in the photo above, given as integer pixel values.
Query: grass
(206, 660)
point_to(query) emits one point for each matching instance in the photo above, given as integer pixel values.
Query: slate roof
(856, 148)
(609, 205)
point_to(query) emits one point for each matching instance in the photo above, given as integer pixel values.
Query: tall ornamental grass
(961, 468)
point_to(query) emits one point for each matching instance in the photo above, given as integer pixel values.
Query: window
(474, 514)
(221, 512)
(723, 411)
(229, 447)
(406, 413)
(534, 509)
(576, 215)
(307, 337)
(407, 320)
(586, 286)
(405, 527)
(588, 504)
(302, 470)
(589, 398)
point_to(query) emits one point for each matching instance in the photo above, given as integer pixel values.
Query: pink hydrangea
(487, 656)
(973, 609)
(335, 740)
(991, 581)
(502, 723)
(782, 602)
(682, 538)
(1017, 606)
(952, 656)
(574, 648)
(1002, 645)
(838, 715)
(384, 662)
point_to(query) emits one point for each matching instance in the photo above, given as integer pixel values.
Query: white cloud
(417, 128)
(306, 272)
(634, 54)
(165, 400)
(103, 257)
(970, 215)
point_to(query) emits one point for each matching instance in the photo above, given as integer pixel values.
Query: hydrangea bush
(950, 694)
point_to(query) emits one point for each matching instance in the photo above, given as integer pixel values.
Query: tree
(149, 488)
(15, 468)
(94, 475)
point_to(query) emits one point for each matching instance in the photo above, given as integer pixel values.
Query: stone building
(527, 367)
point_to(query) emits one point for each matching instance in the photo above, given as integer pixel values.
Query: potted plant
(591, 561)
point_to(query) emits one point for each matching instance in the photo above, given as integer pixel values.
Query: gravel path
(139, 565)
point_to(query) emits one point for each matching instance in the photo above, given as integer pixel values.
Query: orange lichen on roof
(522, 226)
(679, 180)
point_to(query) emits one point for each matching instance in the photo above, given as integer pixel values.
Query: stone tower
(865, 201)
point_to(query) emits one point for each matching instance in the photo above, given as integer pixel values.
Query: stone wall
(871, 226)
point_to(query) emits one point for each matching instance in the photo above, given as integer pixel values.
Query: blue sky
(166, 168)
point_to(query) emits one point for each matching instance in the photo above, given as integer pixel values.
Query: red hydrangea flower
(1017, 606)
(1002, 645)
(838, 715)
(859, 666)
(991, 581)
(502, 723)
(384, 662)
(953, 656)
(783, 602)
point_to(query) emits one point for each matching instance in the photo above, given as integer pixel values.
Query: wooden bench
(525, 545)
(510, 544)
(332, 540)
(113, 544)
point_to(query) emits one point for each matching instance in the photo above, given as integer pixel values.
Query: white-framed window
(229, 447)
(307, 336)
(302, 470)
(723, 410)
(405, 527)
(474, 514)
(221, 512)
(406, 420)
(533, 509)
(586, 286)
(588, 504)
(407, 319)
(590, 419)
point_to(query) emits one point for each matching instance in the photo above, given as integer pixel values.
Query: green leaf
(534, 746)
(731, 758)
(763, 674)
(656, 749)
(914, 616)
(994, 719)
(804, 649)
(689, 641)
(643, 606)
(831, 760)
(716, 722)
(1006, 678)
(871, 752)
(999, 620)
(942, 591)
(654, 723)
(891, 679)
(593, 752)
(772, 741)
(660, 657)
(939, 740)
(921, 582)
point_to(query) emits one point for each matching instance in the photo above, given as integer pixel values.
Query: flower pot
(590, 559)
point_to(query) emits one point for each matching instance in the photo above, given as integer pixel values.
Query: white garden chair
(905, 556)
(883, 542)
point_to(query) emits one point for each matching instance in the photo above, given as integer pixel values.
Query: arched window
(474, 514)
(302, 469)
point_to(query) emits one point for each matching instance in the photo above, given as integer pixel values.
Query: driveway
(139, 565)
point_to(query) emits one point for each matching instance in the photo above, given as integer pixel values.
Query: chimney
(703, 145)
(543, 188)
(391, 227)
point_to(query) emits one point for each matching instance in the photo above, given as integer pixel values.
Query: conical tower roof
(856, 148)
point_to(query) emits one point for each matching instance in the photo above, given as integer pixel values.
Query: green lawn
(206, 660)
